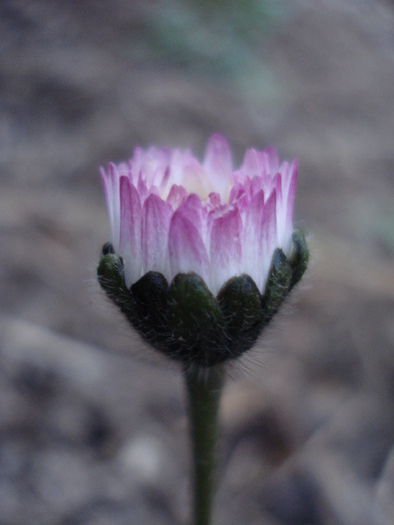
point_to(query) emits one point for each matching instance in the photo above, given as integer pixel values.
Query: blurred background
(93, 425)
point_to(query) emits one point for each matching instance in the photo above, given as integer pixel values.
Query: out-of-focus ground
(93, 426)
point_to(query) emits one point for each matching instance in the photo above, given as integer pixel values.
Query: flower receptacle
(186, 322)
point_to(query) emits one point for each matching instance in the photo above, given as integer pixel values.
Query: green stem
(204, 389)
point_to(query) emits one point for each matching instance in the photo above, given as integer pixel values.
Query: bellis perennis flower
(202, 255)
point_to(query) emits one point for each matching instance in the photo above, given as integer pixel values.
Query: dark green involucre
(186, 322)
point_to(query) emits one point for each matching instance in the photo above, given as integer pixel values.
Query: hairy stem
(204, 391)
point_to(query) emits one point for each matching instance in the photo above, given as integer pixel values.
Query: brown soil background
(93, 426)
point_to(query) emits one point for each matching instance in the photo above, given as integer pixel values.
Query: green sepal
(107, 248)
(196, 321)
(278, 285)
(299, 257)
(110, 273)
(240, 302)
(151, 297)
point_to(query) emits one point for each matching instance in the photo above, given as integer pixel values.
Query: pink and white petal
(187, 252)
(238, 177)
(218, 163)
(259, 183)
(151, 161)
(178, 162)
(147, 175)
(272, 160)
(192, 209)
(114, 208)
(266, 182)
(133, 176)
(153, 167)
(242, 204)
(195, 180)
(290, 199)
(154, 189)
(225, 247)
(130, 230)
(162, 159)
(251, 165)
(142, 189)
(137, 161)
(251, 240)
(277, 186)
(165, 180)
(280, 209)
(106, 180)
(176, 196)
(236, 191)
(109, 199)
(214, 200)
(269, 235)
(156, 218)
(197, 211)
(122, 169)
(168, 201)
(260, 238)
(240, 199)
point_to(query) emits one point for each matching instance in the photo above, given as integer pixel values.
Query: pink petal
(179, 161)
(195, 180)
(214, 200)
(150, 162)
(137, 161)
(236, 191)
(268, 239)
(239, 198)
(142, 189)
(170, 214)
(176, 196)
(291, 189)
(257, 184)
(218, 162)
(272, 160)
(156, 217)
(193, 210)
(225, 247)
(252, 246)
(259, 238)
(114, 204)
(277, 185)
(109, 199)
(164, 179)
(242, 204)
(130, 230)
(105, 178)
(187, 251)
(251, 165)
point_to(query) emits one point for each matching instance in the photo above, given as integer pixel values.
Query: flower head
(171, 214)
(202, 255)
